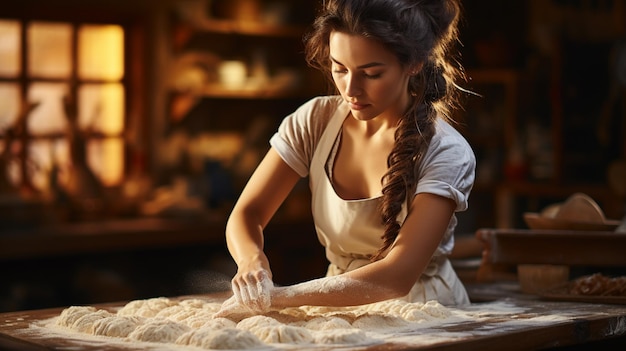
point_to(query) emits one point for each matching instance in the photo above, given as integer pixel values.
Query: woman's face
(368, 76)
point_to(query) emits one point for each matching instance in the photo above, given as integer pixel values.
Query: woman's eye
(373, 76)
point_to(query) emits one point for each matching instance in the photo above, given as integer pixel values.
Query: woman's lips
(357, 106)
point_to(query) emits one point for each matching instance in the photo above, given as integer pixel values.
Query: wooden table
(524, 325)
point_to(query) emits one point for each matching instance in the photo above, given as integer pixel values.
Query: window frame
(133, 80)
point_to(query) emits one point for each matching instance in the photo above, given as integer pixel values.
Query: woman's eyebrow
(367, 65)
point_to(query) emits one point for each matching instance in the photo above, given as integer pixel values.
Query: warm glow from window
(49, 116)
(9, 106)
(63, 59)
(106, 161)
(101, 108)
(9, 48)
(101, 52)
(49, 47)
(40, 155)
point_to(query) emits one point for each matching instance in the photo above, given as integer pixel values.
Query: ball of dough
(344, 337)
(145, 308)
(256, 322)
(159, 330)
(177, 313)
(327, 323)
(209, 322)
(380, 322)
(84, 324)
(220, 339)
(192, 303)
(436, 309)
(116, 326)
(69, 315)
(283, 334)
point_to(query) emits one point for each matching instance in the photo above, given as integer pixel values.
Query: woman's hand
(252, 284)
(253, 290)
(251, 295)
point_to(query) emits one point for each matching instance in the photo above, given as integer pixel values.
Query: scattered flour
(188, 324)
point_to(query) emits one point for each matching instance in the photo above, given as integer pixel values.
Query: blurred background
(128, 129)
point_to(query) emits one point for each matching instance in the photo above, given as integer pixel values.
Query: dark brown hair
(417, 32)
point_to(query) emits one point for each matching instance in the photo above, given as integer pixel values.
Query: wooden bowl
(537, 221)
(580, 208)
(578, 212)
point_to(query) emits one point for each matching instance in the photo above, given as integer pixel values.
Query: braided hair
(418, 32)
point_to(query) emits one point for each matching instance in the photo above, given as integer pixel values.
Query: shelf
(584, 248)
(230, 27)
(219, 92)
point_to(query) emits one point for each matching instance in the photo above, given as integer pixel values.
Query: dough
(71, 314)
(145, 308)
(327, 323)
(190, 322)
(177, 313)
(204, 318)
(197, 303)
(116, 326)
(85, 323)
(209, 322)
(380, 322)
(345, 337)
(220, 339)
(283, 334)
(159, 330)
(415, 312)
(257, 322)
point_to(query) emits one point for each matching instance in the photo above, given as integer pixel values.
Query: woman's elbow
(401, 289)
(398, 286)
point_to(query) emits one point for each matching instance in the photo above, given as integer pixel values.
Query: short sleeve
(298, 134)
(448, 168)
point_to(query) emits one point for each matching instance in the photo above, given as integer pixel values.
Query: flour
(190, 323)
(187, 325)
(323, 285)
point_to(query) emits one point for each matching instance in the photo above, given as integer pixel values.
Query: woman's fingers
(231, 308)
(253, 290)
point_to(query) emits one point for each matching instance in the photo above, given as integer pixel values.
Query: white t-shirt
(447, 169)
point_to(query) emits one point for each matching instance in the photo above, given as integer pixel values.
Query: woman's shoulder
(320, 106)
(313, 116)
(446, 132)
(447, 139)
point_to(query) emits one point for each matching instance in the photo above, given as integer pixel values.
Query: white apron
(351, 230)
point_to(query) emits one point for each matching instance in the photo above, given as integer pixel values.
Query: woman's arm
(390, 277)
(265, 191)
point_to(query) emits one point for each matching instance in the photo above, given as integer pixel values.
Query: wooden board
(561, 247)
(504, 324)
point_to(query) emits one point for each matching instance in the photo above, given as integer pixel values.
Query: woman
(387, 171)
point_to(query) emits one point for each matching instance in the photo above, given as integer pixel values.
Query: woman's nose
(353, 86)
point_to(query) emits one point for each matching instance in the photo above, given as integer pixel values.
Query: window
(62, 102)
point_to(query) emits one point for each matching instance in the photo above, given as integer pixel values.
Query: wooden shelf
(582, 248)
(220, 92)
(230, 27)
